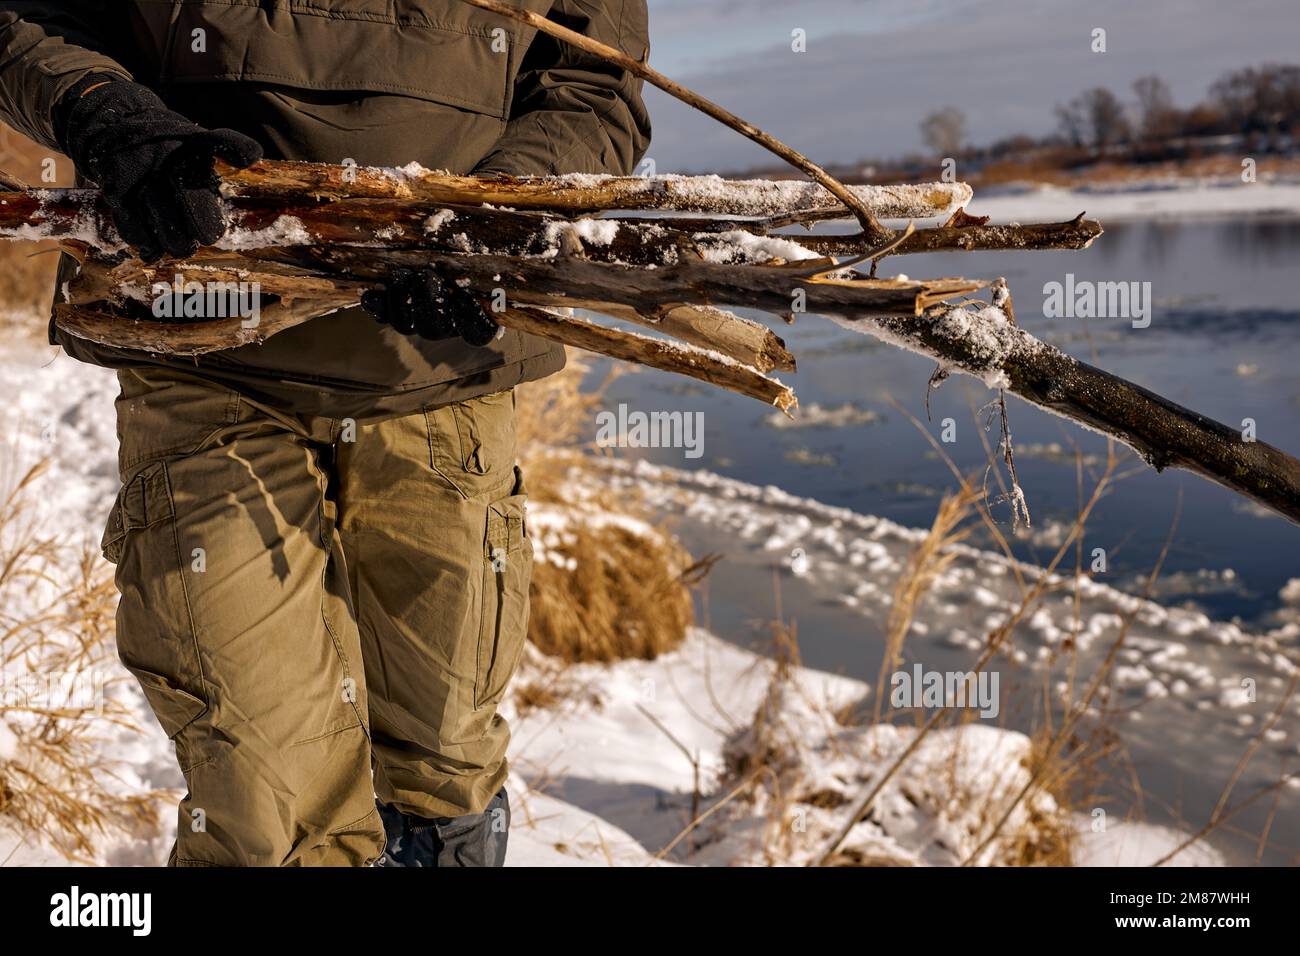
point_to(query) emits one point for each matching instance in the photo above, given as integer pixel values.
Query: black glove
(154, 166)
(419, 302)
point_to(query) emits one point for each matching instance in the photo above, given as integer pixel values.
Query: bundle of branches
(671, 254)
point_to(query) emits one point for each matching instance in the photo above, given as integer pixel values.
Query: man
(320, 541)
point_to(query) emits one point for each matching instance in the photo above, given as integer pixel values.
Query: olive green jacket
(379, 82)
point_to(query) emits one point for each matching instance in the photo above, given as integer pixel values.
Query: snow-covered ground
(1189, 695)
(1172, 198)
(608, 775)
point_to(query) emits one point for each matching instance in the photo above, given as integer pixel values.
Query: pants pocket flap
(507, 527)
(175, 707)
(143, 501)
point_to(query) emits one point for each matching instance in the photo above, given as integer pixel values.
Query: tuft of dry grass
(56, 667)
(930, 559)
(606, 584)
(608, 593)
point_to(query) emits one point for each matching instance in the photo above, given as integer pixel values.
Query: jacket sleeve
(46, 47)
(573, 112)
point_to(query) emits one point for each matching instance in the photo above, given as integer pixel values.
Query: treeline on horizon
(1254, 108)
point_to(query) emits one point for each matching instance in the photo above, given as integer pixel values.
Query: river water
(1222, 340)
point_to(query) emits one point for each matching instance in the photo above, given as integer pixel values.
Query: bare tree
(1259, 100)
(1106, 116)
(1157, 115)
(1095, 117)
(1072, 122)
(944, 130)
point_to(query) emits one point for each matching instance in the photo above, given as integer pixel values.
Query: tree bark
(575, 195)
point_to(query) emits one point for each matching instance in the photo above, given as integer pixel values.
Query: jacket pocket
(446, 52)
(508, 564)
(155, 639)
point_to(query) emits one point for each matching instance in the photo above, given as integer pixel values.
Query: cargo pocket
(155, 640)
(472, 444)
(508, 564)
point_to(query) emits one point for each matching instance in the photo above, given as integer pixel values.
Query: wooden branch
(297, 181)
(680, 297)
(578, 282)
(656, 353)
(456, 229)
(747, 342)
(1078, 233)
(189, 338)
(196, 338)
(1075, 234)
(742, 340)
(987, 345)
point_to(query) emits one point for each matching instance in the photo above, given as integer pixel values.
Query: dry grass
(56, 628)
(1042, 841)
(607, 585)
(608, 593)
(930, 559)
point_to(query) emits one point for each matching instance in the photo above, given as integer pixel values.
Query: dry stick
(1263, 842)
(397, 222)
(1283, 781)
(190, 338)
(1218, 816)
(712, 329)
(1254, 746)
(768, 288)
(693, 758)
(660, 354)
(1076, 234)
(871, 227)
(1081, 708)
(1164, 434)
(995, 642)
(794, 201)
(694, 824)
(748, 342)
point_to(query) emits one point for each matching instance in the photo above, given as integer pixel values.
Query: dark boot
(476, 839)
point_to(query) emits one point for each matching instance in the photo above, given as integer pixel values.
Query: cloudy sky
(873, 67)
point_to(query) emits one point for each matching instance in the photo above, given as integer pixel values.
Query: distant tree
(1203, 119)
(944, 131)
(1158, 118)
(1106, 116)
(1094, 118)
(1259, 99)
(1073, 124)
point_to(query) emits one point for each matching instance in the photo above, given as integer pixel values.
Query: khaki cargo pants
(305, 599)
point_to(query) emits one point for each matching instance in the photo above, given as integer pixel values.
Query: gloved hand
(154, 166)
(419, 302)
